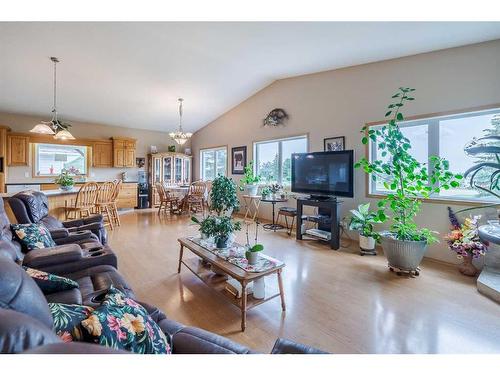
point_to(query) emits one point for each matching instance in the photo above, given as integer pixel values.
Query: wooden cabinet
(18, 150)
(127, 198)
(124, 152)
(102, 154)
(170, 168)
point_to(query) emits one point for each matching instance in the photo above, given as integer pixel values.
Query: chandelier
(179, 136)
(54, 127)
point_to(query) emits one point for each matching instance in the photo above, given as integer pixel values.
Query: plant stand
(401, 271)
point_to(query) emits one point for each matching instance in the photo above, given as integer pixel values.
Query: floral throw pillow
(122, 323)
(67, 319)
(50, 283)
(33, 236)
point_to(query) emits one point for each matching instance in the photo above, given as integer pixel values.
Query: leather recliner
(26, 323)
(60, 259)
(32, 206)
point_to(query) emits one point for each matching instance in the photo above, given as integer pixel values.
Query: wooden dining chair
(167, 200)
(104, 201)
(84, 204)
(114, 202)
(195, 199)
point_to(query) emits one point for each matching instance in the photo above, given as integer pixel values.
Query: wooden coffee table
(218, 282)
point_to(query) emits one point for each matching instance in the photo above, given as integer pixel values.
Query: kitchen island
(58, 199)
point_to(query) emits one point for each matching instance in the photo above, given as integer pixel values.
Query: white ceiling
(131, 74)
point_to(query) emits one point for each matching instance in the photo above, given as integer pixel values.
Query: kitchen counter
(58, 199)
(51, 182)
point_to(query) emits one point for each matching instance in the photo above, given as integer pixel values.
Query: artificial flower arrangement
(464, 239)
(465, 242)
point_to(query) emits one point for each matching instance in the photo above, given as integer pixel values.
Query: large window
(213, 162)
(273, 159)
(450, 137)
(51, 159)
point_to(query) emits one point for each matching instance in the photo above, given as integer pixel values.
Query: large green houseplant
(224, 201)
(407, 181)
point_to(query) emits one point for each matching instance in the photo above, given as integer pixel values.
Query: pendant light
(55, 126)
(179, 136)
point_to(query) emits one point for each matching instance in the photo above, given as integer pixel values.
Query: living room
(264, 187)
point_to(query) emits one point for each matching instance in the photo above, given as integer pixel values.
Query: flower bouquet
(465, 242)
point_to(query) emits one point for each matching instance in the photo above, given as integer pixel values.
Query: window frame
(433, 145)
(280, 141)
(88, 158)
(216, 148)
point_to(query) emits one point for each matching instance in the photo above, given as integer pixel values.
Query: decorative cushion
(33, 236)
(50, 283)
(121, 323)
(67, 319)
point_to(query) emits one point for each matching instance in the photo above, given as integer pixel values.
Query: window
(51, 159)
(447, 137)
(213, 163)
(273, 159)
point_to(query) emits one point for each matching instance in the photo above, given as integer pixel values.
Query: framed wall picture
(238, 159)
(334, 143)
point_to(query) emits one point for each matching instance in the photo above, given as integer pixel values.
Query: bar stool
(287, 212)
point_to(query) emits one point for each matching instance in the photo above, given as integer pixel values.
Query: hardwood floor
(336, 300)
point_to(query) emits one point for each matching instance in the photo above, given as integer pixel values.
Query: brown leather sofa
(70, 257)
(32, 206)
(26, 321)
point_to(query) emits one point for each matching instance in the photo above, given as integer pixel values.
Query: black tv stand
(328, 209)
(320, 198)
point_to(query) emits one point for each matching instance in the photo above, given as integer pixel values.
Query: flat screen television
(323, 173)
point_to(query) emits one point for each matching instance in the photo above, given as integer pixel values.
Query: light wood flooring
(336, 300)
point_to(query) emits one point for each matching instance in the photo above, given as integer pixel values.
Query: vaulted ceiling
(131, 74)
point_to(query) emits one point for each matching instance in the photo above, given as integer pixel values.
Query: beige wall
(339, 102)
(145, 138)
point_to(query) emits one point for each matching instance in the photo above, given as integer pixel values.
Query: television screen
(323, 173)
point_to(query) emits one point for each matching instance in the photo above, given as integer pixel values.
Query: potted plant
(204, 227)
(362, 220)
(65, 180)
(407, 181)
(252, 252)
(250, 181)
(265, 192)
(224, 199)
(275, 189)
(220, 228)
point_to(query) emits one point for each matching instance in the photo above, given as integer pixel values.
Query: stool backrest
(106, 192)
(87, 195)
(117, 187)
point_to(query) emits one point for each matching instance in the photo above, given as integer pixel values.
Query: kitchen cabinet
(102, 154)
(17, 150)
(124, 152)
(170, 168)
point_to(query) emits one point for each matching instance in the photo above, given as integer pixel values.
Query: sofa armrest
(74, 237)
(94, 219)
(90, 227)
(284, 346)
(51, 256)
(191, 340)
(58, 233)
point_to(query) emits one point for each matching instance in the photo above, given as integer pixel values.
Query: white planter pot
(252, 189)
(259, 288)
(367, 245)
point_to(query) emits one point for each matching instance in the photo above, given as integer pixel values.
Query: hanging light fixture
(179, 136)
(55, 126)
